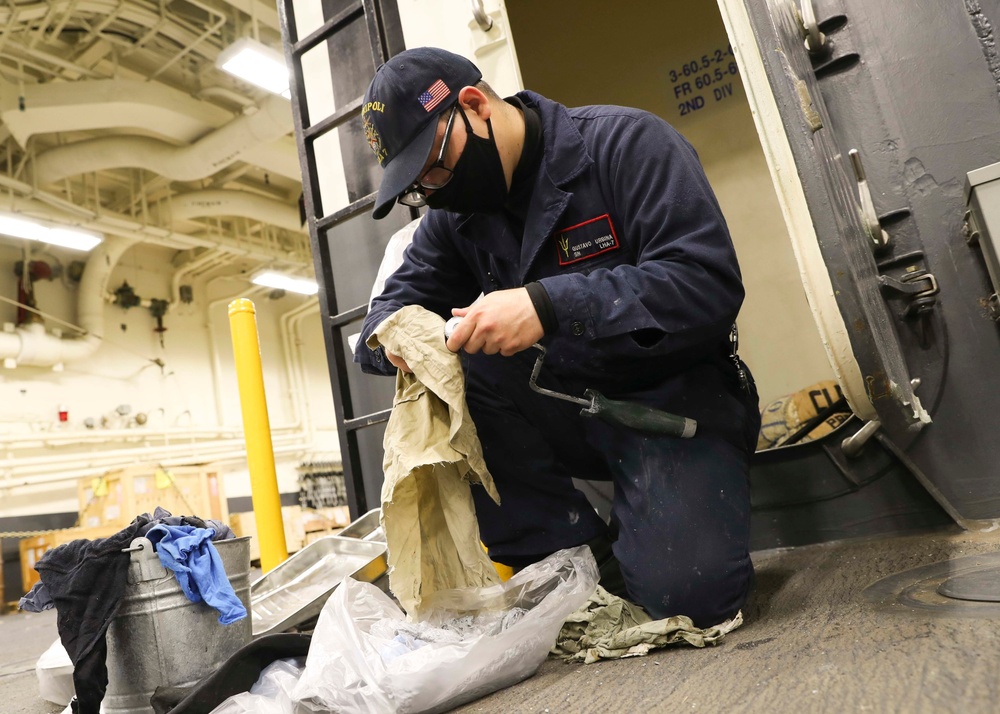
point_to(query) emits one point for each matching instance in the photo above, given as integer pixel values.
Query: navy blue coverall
(623, 231)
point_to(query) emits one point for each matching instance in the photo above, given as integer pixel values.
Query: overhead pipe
(120, 225)
(48, 462)
(22, 53)
(200, 39)
(265, 12)
(17, 473)
(56, 439)
(209, 260)
(41, 204)
(142, 14)
(289, 323)
(27, 191)
(31, 345)
(300, 417)
(216, 458)
(199, 160)
(225, 202)
(297, 451)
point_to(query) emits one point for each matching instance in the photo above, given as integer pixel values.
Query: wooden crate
(325, 519)
(33, 548)
(119, 496)
(245, 524)
(302, 526)
(320, 522)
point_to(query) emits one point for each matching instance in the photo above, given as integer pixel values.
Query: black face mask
(478, 183)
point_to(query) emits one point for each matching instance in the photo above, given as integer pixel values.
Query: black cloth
(86, 580)
(161, 516)
(237, 674)
(38, 598)
(543, 306)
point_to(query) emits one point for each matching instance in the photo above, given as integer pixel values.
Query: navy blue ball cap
(401, 109)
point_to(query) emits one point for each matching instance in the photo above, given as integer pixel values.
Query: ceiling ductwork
(202, 204)
(104, 104)
(118, 103)
(196, 161)
(280, 157)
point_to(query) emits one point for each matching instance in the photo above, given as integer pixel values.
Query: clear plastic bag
(54, 671)
(366, 658)
(270, 695)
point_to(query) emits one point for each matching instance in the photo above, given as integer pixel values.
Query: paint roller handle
(638, 416)
(449, 327)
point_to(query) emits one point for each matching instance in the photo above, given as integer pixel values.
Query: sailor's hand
(398, 362)
(503, 321)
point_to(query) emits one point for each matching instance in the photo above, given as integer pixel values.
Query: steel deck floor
(817, 639)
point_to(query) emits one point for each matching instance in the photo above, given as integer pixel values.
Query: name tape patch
(586, 240)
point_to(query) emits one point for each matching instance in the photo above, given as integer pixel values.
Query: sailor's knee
(708, 593)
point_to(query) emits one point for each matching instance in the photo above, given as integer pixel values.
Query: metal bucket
(160, 638)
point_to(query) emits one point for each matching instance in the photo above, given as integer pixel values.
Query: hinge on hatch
(920, 289)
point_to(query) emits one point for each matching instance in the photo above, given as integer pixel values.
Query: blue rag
(189, 552)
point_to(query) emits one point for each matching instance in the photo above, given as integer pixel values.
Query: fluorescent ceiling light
(303, 286)
(67, 238)
(20, 227)
(256, 63)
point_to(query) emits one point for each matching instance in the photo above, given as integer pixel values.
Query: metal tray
(296, 590)
(367, 527)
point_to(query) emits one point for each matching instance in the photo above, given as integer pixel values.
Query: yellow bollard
(257, 433)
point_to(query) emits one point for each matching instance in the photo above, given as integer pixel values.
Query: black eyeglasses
(434, 178)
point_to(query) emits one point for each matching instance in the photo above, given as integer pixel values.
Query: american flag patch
(433, 95)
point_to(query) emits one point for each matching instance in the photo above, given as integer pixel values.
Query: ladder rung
(349, 316)
(344, 213)
(337, 118)
(369, 420)
(329, 27)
